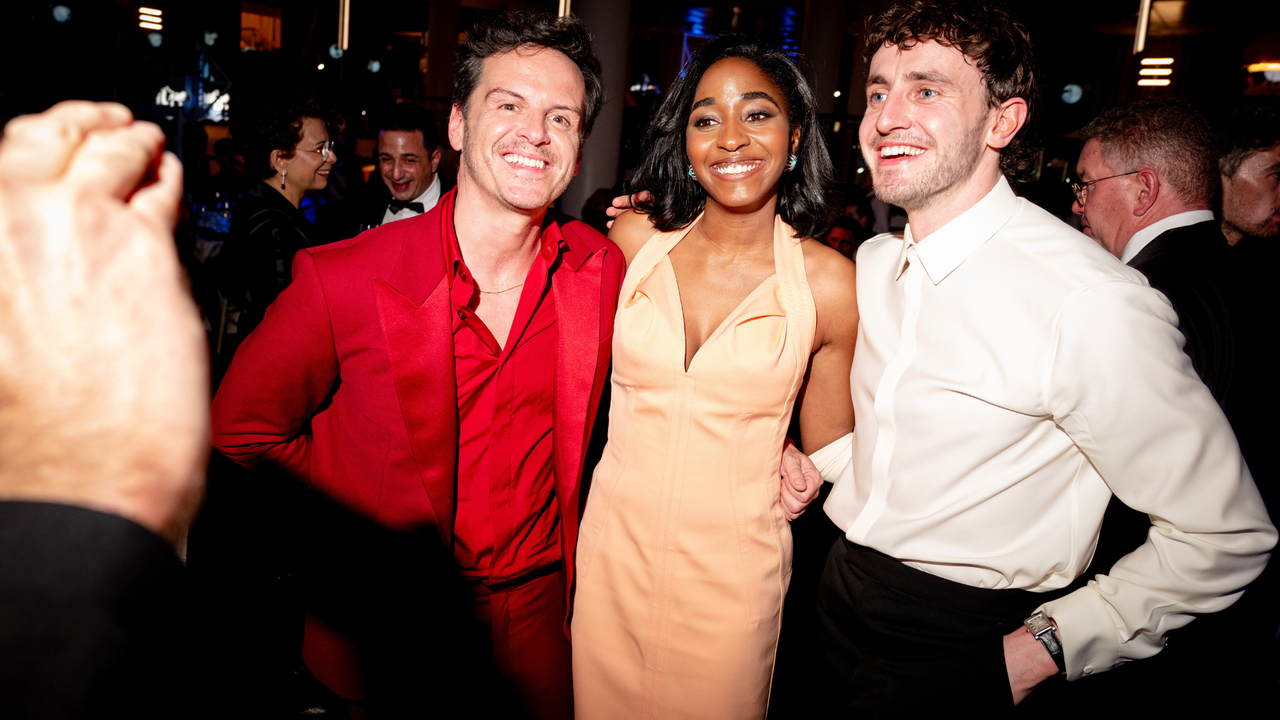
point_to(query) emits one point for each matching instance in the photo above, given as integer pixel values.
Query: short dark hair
(1167, 135)
(805, 199)
(273, 121)
(1246, 126)
(408, 118)
(508, 31)
(999, 47)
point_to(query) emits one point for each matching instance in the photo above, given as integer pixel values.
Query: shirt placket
(910, 283)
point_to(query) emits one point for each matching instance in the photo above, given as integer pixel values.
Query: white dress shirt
(428, 198)
(1143, 237)
(1009, 376)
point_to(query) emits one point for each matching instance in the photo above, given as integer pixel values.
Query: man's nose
(533, 129)
(893, 114)
(1076, 207)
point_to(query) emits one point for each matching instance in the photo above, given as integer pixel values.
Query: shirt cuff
(830, 460)
(1090, 643)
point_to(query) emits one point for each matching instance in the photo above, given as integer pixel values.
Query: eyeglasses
(326, 151)
(1082, 188)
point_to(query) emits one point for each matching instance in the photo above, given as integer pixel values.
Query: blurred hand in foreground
(103, 371)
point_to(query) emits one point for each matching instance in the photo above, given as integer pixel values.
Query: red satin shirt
(507, 522)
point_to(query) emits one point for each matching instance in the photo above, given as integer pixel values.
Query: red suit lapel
(416, 317)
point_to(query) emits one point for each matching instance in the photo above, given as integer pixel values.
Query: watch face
(1038, 623)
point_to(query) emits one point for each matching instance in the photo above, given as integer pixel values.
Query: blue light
(789, 28)
(61, 13)
(696, 20)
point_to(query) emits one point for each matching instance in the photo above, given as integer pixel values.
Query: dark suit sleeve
(281, 375)
(91, 609)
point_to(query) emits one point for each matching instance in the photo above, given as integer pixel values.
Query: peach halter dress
(684, 553)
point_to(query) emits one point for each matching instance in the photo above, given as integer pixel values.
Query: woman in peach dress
(728, 308)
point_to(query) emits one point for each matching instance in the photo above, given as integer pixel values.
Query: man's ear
(456, 127)
(1009, 119)
(577, 164)
(1148, 191)
(435, 160)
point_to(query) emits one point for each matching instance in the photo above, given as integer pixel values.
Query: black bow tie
(397, 206)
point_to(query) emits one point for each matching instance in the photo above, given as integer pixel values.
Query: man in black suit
(409, 152)
(1148, 178)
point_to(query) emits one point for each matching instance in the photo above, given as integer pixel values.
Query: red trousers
(526, 624)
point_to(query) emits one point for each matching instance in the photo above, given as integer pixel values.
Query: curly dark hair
(805, 199)
(1249, 124)
(274, 122)
(1167, 135)
(508, 31)
(999, 47)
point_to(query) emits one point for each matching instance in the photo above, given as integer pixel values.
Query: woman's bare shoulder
(831, 275)
(833, 283)
(630, 231)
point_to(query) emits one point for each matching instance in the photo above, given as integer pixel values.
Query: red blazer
(349, 381)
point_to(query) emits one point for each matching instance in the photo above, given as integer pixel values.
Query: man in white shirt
(409, 153)
(1009, 376)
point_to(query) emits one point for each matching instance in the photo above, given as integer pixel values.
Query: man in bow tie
(409, 151)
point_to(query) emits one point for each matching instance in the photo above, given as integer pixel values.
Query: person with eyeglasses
(287, 145)
(1148, 175)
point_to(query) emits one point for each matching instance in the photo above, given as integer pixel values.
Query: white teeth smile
(895, 150)
(736, 168)
(522, 160)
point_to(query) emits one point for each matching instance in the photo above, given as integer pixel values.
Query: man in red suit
(446, 369)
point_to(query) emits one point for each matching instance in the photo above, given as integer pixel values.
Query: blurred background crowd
(229, 81)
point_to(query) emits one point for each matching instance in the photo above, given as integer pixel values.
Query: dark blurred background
(186, 68)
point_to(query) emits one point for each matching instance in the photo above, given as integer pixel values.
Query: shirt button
(462, 314)
(1088, 669)
(463, 275)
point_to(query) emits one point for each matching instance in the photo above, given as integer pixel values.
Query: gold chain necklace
(499, 292)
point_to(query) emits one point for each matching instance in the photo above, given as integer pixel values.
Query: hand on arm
(103, 372)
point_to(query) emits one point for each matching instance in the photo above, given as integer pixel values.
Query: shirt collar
(951, 244)
(428, 198)
(1143, 237)
(552, 244)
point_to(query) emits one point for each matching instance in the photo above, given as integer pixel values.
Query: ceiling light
(1153, 83)
(1156, 71)
(1157, 61)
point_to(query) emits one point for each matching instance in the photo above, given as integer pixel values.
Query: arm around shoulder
(630, 232)
(279, 378)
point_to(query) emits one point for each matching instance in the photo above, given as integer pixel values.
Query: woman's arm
(826, 404)
(826, 411)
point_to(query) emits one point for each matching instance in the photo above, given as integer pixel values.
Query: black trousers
(901, 642)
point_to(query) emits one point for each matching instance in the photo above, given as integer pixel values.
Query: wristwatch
(1042, 629)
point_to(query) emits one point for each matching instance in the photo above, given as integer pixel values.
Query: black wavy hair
(273, 121)
(998, 45)
(805, 199)
(410, 118)
(508, 31)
